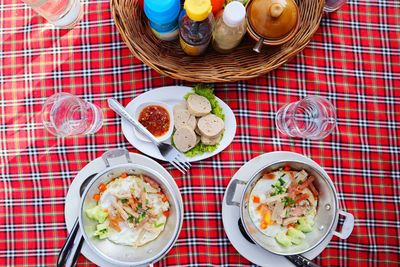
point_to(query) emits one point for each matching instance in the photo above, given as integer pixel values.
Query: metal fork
(170, 153)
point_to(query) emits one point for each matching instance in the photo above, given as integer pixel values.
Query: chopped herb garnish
(124, 200)
(288, 201)
(299, 182)
(140, 205)
(130, 219)
(281, 181)
(142, 216)
(156, 225)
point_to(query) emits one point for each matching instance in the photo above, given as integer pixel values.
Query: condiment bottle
(163, 17)
(217, 5)
(229, 28)
(195, 26)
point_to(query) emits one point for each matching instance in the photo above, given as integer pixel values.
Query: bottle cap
(197, 10)
(164, 11)
(234, 14)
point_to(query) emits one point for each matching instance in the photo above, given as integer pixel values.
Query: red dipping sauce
(155, 119)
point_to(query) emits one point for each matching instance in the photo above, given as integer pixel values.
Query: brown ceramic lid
(273, 18)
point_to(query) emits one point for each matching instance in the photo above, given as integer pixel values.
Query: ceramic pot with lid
(272, 22)
(121, 255)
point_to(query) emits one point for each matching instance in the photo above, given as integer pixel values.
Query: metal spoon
(65, 250)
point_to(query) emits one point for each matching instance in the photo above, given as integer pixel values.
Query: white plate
(231, 214)
(72, 199)
(172, 95)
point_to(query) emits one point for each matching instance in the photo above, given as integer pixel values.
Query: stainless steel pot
(121, 255)
(326, 219)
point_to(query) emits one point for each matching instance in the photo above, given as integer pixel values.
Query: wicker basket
(243, 63)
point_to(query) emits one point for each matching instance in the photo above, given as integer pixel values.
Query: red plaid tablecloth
(353, 60)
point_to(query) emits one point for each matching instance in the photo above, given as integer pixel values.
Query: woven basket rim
(176, 66)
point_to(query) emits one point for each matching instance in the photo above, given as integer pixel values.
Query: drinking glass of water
(61, 13)
(64, 114)
(313, 117)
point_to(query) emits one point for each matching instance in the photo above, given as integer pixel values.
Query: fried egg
(133, 236)
(260, 189)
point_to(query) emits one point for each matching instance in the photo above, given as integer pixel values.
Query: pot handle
(301, 261)
(347, 226)
(259, 44)
(115, 153)
(230, 192)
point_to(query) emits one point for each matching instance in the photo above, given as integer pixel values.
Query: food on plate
(184, 138)
(208, 128)
(156, 119)
(210, 141)
(283, 205)
(130, 210)
(180, 106)
(198, 105)
(182, 118)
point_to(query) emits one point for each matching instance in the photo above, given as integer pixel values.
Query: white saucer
(72, 199)
(172, 95)
(230, 214)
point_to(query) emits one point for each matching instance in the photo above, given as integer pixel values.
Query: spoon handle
(120, 110)
(301, 261)
(62, 256)
(77, 252)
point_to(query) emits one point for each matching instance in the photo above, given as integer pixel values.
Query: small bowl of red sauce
(157, 118)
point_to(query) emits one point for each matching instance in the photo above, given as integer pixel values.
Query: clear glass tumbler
(61, 13)
(64, 114)
(333, 5)
(313, 117)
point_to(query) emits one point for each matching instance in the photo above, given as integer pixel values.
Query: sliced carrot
(286, 168)
(115, 225)
(124, 175)
(256, 199)
(264, 225)
(102, 187)
(166, 213)
(306, 183)
(268, 176)
(313, 189)
(164, 199)
(290, 225)
(96, 197)
(114, 222)
(300, 198)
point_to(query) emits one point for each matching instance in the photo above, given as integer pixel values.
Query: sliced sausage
(184, 138)
(198, 105)
(210, 141)
(182, 118)
(210, 126)
(180, 106)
